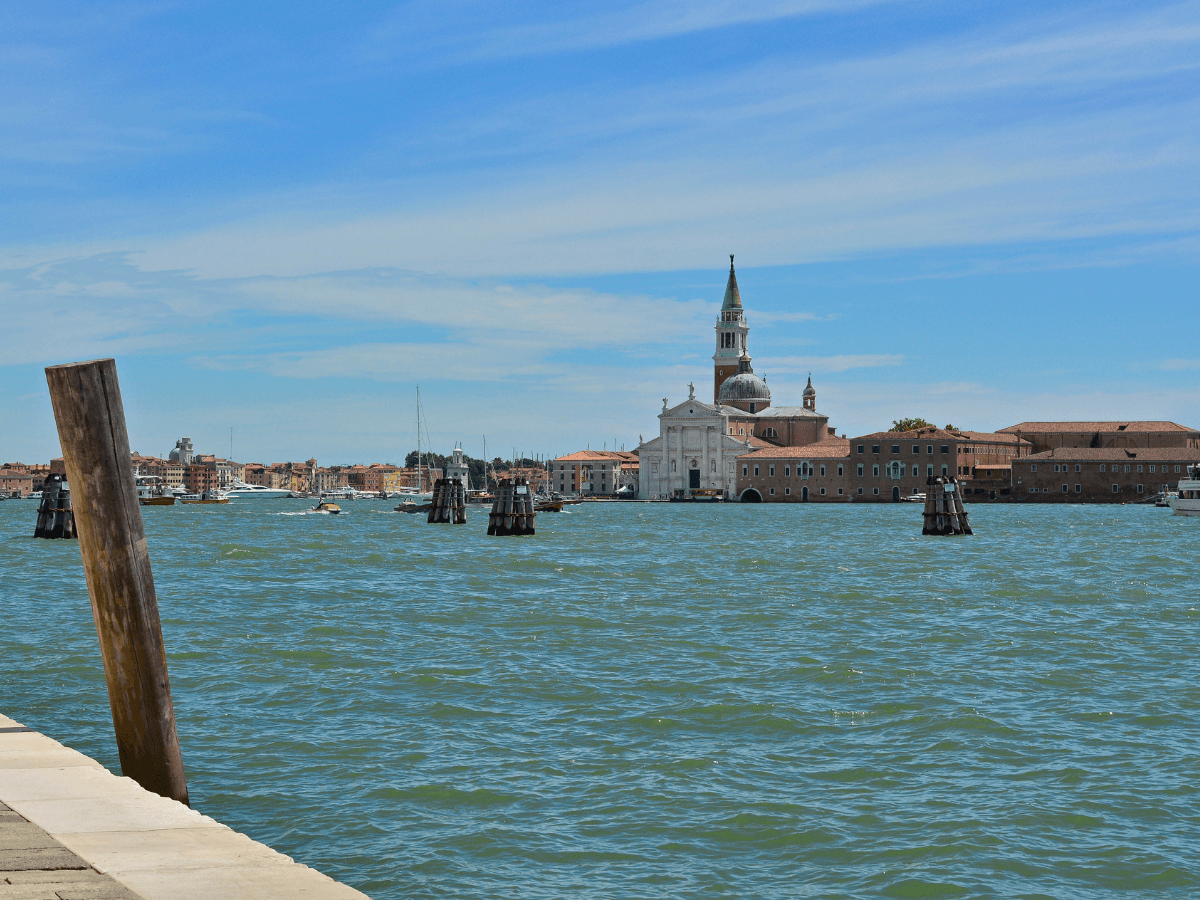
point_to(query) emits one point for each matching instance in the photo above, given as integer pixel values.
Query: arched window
(770, 433)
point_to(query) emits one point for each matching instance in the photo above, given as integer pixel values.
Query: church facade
(698, 442)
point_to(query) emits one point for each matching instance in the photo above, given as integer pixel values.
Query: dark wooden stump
(55, 518)
(449, 503)
(944, 512)
(513, 512)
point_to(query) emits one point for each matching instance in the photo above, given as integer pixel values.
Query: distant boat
(411, 506)
(206, 497)
(152, 490)
(326, 507)
(239, 490)
(549, 505)
(1187, 499)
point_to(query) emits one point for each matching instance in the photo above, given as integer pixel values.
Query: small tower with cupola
(810, 395)
(731, 330)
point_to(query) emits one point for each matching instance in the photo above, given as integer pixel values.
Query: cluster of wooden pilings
(944, 512)
(55, 518)
(512, 512)
(449, 505)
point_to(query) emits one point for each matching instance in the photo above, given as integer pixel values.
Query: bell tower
(731, 330)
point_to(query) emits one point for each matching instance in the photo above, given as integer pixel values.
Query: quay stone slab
(112, 838)
(132, 851)
(237, 883)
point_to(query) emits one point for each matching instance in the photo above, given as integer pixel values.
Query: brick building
(16, 480)
(594, 473)
(1099, 474)
(880, 467)
(1132, 435)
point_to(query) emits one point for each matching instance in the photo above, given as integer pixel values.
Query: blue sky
(279, 218)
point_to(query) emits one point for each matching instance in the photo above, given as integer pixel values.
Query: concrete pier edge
(152, 847)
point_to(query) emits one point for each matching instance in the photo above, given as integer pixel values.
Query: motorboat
(152, 490)
(412, 506)
(1186, 501)
(239, 490)
(206, 497)
(324, 506)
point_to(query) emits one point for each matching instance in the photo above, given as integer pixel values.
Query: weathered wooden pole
(112, 540)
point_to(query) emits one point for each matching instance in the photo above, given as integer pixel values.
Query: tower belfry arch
(732, 334)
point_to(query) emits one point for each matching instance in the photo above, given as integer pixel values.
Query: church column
(706, 475)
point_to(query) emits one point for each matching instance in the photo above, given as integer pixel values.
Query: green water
(661, 700)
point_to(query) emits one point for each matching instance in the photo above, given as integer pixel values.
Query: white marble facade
(692, 438)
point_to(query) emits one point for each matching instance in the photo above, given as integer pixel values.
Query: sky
(280, 219)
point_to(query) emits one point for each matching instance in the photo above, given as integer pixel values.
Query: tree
(910, 424)
(953, 428)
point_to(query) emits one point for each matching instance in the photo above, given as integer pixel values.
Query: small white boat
(152, 490)
(1186, 501)
(239, 490)
(913, 498)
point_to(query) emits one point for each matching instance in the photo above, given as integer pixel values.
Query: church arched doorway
(804, 495)
(895, 495)
(750, 495)
(694, 475)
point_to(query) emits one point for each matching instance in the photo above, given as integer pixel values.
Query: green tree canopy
(910, 424)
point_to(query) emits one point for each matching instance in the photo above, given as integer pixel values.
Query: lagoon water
(661, 700)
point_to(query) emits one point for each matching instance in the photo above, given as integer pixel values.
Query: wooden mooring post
(449, 504)
(112, 541)
(944, 512)
(512, 512)
(55, 519)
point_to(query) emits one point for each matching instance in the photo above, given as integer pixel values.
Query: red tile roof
(830, 448)
(1105, 427)
(920, 434)
(596, 455)
(1106, 454)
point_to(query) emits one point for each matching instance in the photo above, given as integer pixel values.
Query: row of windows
(896, 448)
(1066, 489)
(805, 470)
(787, 491)
(1114, 467)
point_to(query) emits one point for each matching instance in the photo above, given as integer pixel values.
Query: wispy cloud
(1179, 365)
(452, 33)
(799, 365)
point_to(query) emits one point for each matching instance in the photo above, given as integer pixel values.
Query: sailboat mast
(418, 439)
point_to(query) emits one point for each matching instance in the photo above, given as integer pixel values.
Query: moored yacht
(239, 490)
(1186, 502)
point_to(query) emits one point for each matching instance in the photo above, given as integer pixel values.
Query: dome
(744, 386)
(173, 456)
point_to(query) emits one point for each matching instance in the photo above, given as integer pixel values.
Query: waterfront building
(881, 467)
(199, 477)
(699, 443)
(1099, 474)
(813, 473)
(328, 480)
(592, 473)
(457, 468)
(1120, 434)
(16, 480)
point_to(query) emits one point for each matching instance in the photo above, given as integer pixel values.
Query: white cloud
(797, 365)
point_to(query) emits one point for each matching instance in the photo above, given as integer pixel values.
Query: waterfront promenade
(71, 830)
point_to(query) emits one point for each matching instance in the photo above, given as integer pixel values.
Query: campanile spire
(732, 331)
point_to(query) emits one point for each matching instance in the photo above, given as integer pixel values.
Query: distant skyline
(281, 218)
